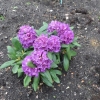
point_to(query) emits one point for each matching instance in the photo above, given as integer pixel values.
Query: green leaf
(20, 72)
(15, 69)
(43, 28)
(30, 64)
(7, 64)
(72, 27)
(58, 58)
(36, 82)
(64, 45)
(49, 55)
(16, 44)
(12, 52)
(73, 53)
(65, 63)
(47, 75)
(76, 44)
(46, 81)
(54, 65)
(54, 76)
(27, 80)
(68, 52)
(19, 62)
(57, 72)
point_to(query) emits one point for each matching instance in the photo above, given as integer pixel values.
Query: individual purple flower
(26, 35)
(54, 44)
(41, 60)
(67, 37)
(62, 28)
(41, 43)
(27, 69)
(53, 26)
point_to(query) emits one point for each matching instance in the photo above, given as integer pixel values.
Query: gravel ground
(82, 81)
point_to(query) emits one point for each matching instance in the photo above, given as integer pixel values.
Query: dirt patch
(82, 81)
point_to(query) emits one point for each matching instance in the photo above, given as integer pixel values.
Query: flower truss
(38, 53)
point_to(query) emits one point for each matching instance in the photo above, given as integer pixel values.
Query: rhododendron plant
(38, 53)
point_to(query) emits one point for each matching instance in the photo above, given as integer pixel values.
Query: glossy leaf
(47, 75)
(54, 76)
(16, 44)
(49, 55)
(15, 69)
(27, 80)
(20, 72)
(7, 64)
(46, 81)
(65, 63)
(57, 72)
(76, 44)
(64, 45)
(30, 64)
(36, 82)
(54, 65)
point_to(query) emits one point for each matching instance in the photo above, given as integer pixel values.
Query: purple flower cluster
(48, 44)
(41, 43)
(63, 30)
(54, 44)
(40, 59)
(26, 35)
(28, 70)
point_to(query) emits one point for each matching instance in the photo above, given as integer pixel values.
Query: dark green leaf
(73, 53)
(11, 50)
(20, 70)
(20, 74)
(11, 56)
(65, 63)
(36, 82)
(64, 45)
(15, 69)
(68, 52)
(30, 64)
(54, 65)
(54, 58)
(7, 64)
(27, 80)
(46, 81)
(19, 62)
(76, 44)
(43, 28)
(16, 44)
(47, 75)
(57, 72)
(50, 55)
(54, 76)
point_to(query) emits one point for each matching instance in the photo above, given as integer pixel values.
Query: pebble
(67, 87)
(74, 93)
(62, 91)
(37, 97)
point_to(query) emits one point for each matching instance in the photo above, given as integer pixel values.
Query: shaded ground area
(82, 81)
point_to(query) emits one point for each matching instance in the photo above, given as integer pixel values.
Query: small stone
(67, 87)
(62, 91)
(74, 93)
(37, 97)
